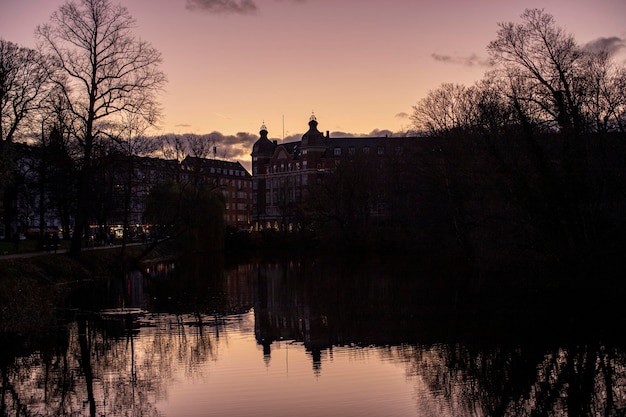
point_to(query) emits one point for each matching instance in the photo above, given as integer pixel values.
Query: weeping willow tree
(193, 217)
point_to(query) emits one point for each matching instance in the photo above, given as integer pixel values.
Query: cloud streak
(468, 61)
(240, 7)
(236, 7)
(612, 44)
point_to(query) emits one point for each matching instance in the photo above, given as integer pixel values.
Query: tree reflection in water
(121, 356)
(578, 381)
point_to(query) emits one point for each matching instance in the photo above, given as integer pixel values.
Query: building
(234, 181)
(230, 178)
(283, 174)
(121, 197)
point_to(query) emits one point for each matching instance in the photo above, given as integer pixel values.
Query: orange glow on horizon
(360, 66)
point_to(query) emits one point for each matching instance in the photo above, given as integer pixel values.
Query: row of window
(144, 174)
(236, 206)
(233, 183)
(293, 180)
(236, 194)
(276, 198)
(222, 171)
(337, 151)
(366, 150)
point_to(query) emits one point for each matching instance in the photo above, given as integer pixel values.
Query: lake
(313, 336)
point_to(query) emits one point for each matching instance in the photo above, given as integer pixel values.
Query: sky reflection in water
(238, 379)
(201, 338)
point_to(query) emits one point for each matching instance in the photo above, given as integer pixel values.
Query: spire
(313, 138)
(263, 146)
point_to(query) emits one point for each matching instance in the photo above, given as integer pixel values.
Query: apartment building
(284, 173)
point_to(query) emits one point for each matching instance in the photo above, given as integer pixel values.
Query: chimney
(275, 142)
(328, 133)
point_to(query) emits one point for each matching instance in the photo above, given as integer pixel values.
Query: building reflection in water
(507, 363)
(122, 344)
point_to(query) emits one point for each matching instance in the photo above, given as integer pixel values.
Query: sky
(358, 65)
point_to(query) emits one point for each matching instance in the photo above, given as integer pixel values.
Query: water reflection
(371, 337)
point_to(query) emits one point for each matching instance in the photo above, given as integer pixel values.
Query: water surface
(291, 337)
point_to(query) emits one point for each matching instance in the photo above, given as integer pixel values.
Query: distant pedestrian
(55, 241)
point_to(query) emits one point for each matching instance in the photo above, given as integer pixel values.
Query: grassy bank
(26, 246)
(31, 288)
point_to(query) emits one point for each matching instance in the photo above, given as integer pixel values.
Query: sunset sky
(360, 65)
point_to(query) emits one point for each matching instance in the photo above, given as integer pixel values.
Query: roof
(206, 164)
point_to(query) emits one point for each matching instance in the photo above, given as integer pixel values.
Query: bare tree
(201, 146)
(444, 109)
(132, 143)
(483, 108)
(548, 60)
(22, 87)
(605, 92)
(105, 71)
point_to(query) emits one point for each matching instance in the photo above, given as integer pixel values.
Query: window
(337, 151)
(399, 150)
(351, 150)
(381, 150)
(366, 150)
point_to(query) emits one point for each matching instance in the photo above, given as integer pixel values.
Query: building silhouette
(122, 186)
(231, 178)
(285, 174)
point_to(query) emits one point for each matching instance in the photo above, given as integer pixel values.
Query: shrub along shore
(32, 287)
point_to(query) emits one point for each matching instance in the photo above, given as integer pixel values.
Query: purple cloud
(612, 44)
(241, 7)
(468, 61)
(223, 6)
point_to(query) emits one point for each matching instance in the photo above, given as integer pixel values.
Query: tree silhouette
(23, 86)
(104, 71)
